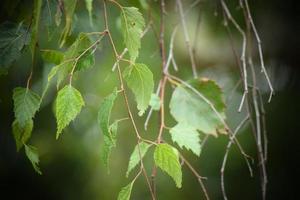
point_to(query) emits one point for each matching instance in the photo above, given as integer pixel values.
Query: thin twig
(263, 69)
(231, 141)
(187, 38)
(243, 54)
(126, 101)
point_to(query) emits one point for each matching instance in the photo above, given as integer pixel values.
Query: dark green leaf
(33, 156)
(13, 38)
(26, 103)
(22, 134)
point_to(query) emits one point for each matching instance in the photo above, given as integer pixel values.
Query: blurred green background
(72, 167)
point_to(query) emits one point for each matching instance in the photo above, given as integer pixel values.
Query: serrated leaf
(125, 192)
(33, 156)
(166, 158)
(188, 107)
(89, 7)
(140, 80)
(69, 8)
(186, 136)
(52, 56)
(109, 132)
(132, 23)
(155, 102)
(109, 143)
(135, 156)
(68, 105)
(26, 103)
(22, 134)
(13, 38)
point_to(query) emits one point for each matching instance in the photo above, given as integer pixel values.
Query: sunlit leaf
(132, 23)
(125, 192)
(68, 105)
(166, 158)
(186, 136)
(140, 80)
(186, 106)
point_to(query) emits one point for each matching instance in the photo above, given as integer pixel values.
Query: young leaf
(52, 56)
(132, 23)
(69, 8)
(109, 132)
(13, 38)
(22, 134)
(68, 105)
(155, 102)
(140, 80)
(26, 103)
(109, 143)
(33, 156)
(166, 157)
(188, 107)
(186, 136)
(135, 156)
(125, 192)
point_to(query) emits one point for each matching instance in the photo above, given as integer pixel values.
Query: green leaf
(13, 38)
(86, 61)
(69, 8)
(186, 106)
(26, 103)
(135, 156)
(52, 56)
(109, 143)
(109, 132)
(89, 7)
(125, 192)
(140, 80)
(22, 134)
(186, 136)
(76, 51)
(33, 156)
(166, 157)
(132, 23)
(68, 105)
(155, 102)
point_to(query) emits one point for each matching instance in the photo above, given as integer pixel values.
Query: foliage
(197, 105)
